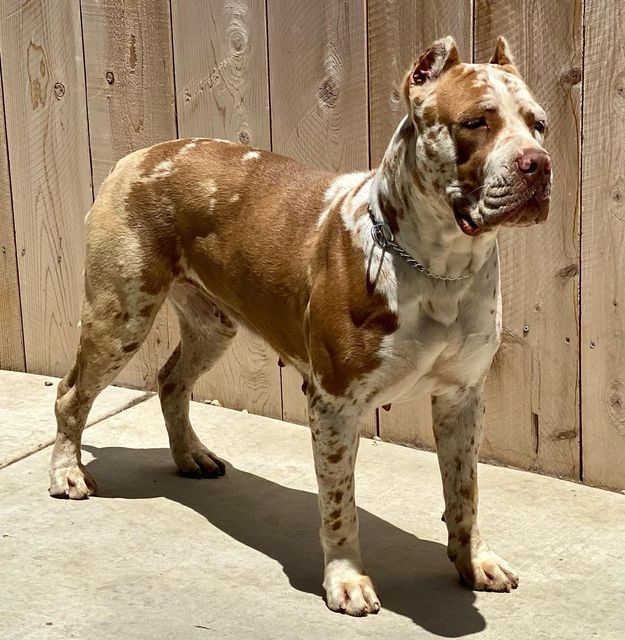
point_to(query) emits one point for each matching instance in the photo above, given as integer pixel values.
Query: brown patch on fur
(336, 457)
(430, 116)
(133, 346)
(337, 525)
(335, 514)
(166, 389)
(389, 213)
(464, 538)
(346, 336)
(338, 496)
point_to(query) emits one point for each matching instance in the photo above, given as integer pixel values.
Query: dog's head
(479, 138)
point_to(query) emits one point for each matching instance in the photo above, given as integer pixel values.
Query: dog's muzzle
(519, 197)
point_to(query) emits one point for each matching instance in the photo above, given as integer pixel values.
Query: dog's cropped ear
(501, 54)
(441, 56)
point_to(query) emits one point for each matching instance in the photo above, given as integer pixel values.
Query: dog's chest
(442, 344)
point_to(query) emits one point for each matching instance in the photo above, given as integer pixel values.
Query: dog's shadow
(413, 577)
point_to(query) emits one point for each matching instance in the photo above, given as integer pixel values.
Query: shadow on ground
(413, 577)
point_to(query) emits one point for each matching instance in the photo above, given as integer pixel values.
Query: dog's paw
(488, 572)
(196, 461)
(73, 482)
(353, 595)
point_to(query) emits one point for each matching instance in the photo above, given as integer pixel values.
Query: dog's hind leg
(335, 439)
(116, 316)
(205, 333)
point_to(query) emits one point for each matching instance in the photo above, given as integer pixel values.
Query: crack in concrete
(47, 443)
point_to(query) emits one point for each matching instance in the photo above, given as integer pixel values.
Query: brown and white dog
(233, 234)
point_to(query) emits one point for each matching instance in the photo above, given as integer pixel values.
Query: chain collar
(384, 238)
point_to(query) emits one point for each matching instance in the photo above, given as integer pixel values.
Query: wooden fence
(85, 82)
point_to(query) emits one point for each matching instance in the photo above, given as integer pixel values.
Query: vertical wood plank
(603, 239)
(318, 60)
(11, 338)
(131, 105)
(46, 123)
(220, 53)
(532, 390)
(399, 30)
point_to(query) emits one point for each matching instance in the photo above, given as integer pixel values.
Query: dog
(377, 286)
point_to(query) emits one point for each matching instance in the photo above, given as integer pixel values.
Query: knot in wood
(572, 76)
(110, 77)
(238, 41)
(329, 93)
(619, 93)
(243, 136)
(59, 90)
(616, 405)
(615, 206)
(568, 272)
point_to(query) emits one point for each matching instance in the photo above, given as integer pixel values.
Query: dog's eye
(475, 123)
(540, 126)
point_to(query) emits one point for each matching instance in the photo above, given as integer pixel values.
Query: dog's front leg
(335, 444)
(457, 419)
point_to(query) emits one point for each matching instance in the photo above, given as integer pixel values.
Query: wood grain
(11, 338)
(131, 105)
(532, 390)
(317, 54)
(220, 53)
(46, 126)
(221, 70)
(399, 31)
(603, 239)
(318, 62)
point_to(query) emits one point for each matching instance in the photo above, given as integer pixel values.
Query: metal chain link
(384, 238)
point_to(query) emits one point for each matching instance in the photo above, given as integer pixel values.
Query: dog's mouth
(514, 209)
(515, 205)
(465, 220)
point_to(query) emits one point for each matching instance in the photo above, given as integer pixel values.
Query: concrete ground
(158, 556)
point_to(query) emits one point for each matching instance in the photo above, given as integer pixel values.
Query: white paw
(352, 594)
(488, 572)
(73, 482)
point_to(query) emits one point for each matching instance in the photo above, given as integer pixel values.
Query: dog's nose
(534, 163)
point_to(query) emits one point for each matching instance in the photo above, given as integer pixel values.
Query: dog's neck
(423, 222)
